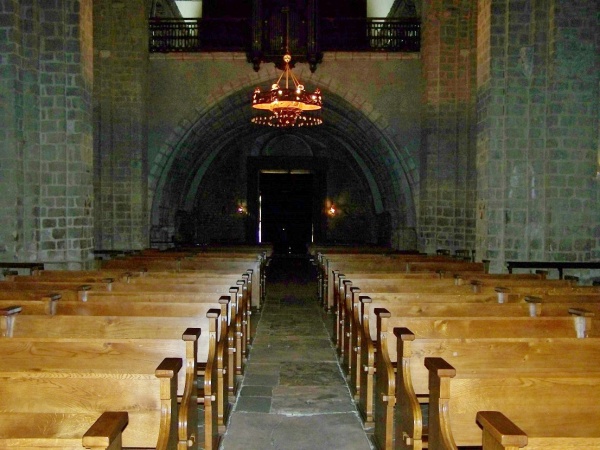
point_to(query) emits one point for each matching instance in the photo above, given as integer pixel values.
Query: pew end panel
(210, 390)
(385, 385)
(408, 426)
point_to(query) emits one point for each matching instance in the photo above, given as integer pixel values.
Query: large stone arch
(370, 143)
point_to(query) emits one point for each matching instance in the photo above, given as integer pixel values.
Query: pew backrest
(566, 403)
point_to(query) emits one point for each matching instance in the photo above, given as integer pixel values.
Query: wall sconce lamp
(242, 209)
(331, 211)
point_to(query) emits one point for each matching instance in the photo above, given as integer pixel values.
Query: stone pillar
(573, 211)
(537, 140)
(47, 147)
(447, 191)
(120, 138)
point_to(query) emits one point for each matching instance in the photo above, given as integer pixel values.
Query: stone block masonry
(120, 142)
(447, 190)
(46, 166)
(537, 136)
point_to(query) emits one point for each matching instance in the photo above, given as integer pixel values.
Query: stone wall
(201, 107)
(120, 116)
(537, 140)
(46, 137)
(501, 154)
(447, 162)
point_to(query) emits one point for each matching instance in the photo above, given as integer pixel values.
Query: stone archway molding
(403, 170)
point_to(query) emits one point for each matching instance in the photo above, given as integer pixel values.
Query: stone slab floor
(293, 395)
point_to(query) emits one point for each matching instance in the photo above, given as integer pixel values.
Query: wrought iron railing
(370, 34)
(335, 34)
(199, 35)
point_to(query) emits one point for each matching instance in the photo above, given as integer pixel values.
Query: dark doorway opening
(286, 210)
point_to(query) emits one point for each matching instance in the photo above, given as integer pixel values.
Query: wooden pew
(376, 262)
(431, 266)
(226, 339)
(52, 286)
(433, 290)
(331, 266)
(241, 313)
(426, 292)
(557, 410)
(165, 331)
(90, 407)
(254, 266)
(409, 385)
(455, 327)
(500, 433)
(447, 307)
(396, 283)
(208, 285)
(349, 316)
(31, 266)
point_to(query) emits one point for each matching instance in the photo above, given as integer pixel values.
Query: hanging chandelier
(287, 106)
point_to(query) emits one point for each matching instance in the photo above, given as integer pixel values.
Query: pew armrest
(499, 432)
(106, 432)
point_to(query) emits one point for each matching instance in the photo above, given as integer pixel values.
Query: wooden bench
(447, 307)
(226, 337)
(507, 290)
(89, 407)
(456, 327)
(348, 317)
(164, 331)
(254, 266)
(556, 410)
(431, 266)
(373, 262)
(241, 314)
(431, 291)
(385, 285)
(30, 266)
(50, 286)
(409, 385)
(330, 266)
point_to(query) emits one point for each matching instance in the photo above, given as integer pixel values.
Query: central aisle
(293, 394)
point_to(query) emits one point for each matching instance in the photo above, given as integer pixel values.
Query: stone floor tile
(252, 431)
(310, 374)
(293, 395)
(261, 380)
(305, 400)
(256, 391)
(253, 404)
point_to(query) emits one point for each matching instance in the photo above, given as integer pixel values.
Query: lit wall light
(331, 211)
(242, 208)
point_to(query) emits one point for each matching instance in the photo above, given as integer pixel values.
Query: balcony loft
(265, 41)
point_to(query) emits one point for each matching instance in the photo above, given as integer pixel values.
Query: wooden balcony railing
(333, 34)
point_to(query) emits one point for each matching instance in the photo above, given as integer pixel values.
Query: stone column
(120, 138)
(447, 191)
(47, 146)
(537, 106)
